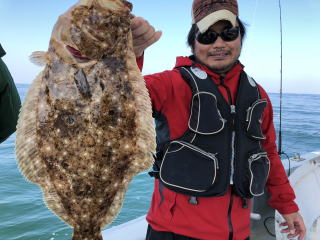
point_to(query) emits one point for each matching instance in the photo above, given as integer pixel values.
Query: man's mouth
(219, 54)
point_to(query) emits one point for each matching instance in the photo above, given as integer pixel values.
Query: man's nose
(219, 42)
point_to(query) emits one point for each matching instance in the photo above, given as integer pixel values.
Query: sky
(26, 25)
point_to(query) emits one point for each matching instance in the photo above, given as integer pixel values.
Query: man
(9, 101)
(215, 134)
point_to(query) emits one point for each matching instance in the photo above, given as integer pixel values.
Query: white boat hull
(306, 183)
(133, 230)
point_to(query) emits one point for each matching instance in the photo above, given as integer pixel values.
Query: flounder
(86, 127)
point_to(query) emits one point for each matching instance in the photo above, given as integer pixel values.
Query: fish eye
(68, 119)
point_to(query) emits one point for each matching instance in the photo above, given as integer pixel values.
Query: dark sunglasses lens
(230, 34)
(207, 37)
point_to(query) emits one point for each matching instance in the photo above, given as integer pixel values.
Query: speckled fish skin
(86, 128)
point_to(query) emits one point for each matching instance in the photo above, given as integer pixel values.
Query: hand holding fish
(295, 225)
(143, 35)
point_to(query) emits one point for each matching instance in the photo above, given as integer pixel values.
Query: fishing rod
(280, 152)
(281, 65)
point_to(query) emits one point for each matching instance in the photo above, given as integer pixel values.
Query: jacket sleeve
(278, 186)
(158, 85)
(9, 103)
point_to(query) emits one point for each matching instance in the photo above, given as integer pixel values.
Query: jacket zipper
(229, 216)
(233, 113)
(233, 136)
(207, 154)
(195, 148)
(250, 110)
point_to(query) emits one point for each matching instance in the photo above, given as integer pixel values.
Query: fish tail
(86, 234)
(39, 58)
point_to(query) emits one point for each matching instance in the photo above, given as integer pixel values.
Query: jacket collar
(188, 61)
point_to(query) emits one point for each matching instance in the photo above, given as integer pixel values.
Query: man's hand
(295, 225)
(143, 35)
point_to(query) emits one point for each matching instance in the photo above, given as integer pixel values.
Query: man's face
(220, 55)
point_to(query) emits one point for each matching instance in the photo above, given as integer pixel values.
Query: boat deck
(260, 228)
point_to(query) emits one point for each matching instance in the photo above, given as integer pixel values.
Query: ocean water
(24, 216)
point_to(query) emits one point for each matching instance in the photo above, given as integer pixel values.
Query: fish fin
(39, 58)
(28, 157)
(26, 140)
(145, 129)
(53, 202)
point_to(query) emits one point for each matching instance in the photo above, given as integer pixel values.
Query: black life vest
(222, 145)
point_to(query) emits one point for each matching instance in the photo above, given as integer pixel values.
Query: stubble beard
(220, 70)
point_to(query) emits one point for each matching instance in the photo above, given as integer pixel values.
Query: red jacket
(208, 220)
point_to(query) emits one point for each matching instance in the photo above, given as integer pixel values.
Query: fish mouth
(77, 54)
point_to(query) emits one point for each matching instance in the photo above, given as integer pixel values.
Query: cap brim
(214, 17)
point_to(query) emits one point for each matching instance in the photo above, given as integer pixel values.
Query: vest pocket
(205, 117)
(253, 119)
(259, 166)
(188, 169)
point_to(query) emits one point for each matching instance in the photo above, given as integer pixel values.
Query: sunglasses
(209, 37)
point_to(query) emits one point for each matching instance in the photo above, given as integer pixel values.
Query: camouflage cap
(207, 12)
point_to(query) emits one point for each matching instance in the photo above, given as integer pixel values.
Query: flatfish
(86, 127)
